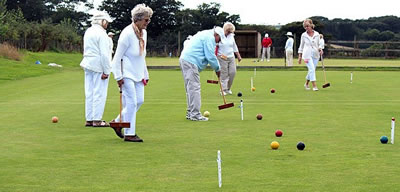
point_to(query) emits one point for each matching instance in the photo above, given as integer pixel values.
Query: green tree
(372, 34)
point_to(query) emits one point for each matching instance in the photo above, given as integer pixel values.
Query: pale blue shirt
(200, 50)
(289, 44)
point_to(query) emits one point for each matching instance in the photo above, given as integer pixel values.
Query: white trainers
(315, 89)
(306, 87)
(229, 92)
(223, 92)
(201, 118)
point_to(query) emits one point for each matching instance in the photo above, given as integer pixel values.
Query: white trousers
(268, 51)
(289, 57)
(191, 78)
(95, 95)
(311, 65)
(132, 99)
(228, 72)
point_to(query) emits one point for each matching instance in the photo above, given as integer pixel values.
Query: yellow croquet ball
(253, 89)
(206, 114)
(274, 145)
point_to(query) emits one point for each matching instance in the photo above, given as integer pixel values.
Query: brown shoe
(89, 124)
(134, 138)
(118, 131)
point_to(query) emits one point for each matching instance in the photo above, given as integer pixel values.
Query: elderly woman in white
(310, 51)
(130, 54)
(226, 57)
(97, 65)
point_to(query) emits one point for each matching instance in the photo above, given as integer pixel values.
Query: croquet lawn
(340, 126)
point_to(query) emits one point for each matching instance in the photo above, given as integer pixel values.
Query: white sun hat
(99, 15)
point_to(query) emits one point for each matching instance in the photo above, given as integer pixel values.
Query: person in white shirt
(96, 63)
(133, 76)
(289, 49)
(310, 51)
(187, 40)
(111, 36)
(321, 41)
(226, 57)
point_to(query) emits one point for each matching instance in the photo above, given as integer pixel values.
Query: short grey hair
(140, 11)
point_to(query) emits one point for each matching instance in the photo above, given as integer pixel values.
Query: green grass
(340, 126)
(15, 70)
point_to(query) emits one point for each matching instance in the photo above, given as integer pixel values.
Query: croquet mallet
(117, 126)
(323, 68)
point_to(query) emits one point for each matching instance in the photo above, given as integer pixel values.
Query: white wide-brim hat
(221, 33)
(99, 15)
(289, 33)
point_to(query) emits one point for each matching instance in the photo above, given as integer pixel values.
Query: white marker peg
(219, 169)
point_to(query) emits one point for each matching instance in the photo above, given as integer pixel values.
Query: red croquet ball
(272, 90)
(278, 133)
(259, 116)
(54, 119)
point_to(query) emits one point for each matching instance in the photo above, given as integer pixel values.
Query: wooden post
(179, 44)
(386, 50)
(294, 46)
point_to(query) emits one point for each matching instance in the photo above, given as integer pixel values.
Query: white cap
(289, 33)
(221, 33)
(110, 33)
(102, 15)
(266, 35)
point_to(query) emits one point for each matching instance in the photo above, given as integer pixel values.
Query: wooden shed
(249, 43)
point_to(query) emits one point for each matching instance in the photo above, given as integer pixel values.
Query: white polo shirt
(229, 47)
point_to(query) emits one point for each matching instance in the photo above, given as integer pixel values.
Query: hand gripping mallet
(117, 126)
(323, 68)
(225, 105)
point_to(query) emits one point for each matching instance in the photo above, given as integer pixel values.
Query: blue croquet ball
(301, 146)
(239, 94)
(384, 139)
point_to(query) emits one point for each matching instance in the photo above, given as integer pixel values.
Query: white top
(96, 50)
(322, 43)
(111, 44)
(309, 46)
(289, 44)
(128, 49)
(229, 47)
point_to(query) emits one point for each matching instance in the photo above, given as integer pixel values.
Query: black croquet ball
(239, 94)
(301, 146)
(384, 139)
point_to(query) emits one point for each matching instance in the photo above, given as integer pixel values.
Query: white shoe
(223, 92)
(268, 60)
(229, 92)
(306, 87)
(315, 89)
(201, 118)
